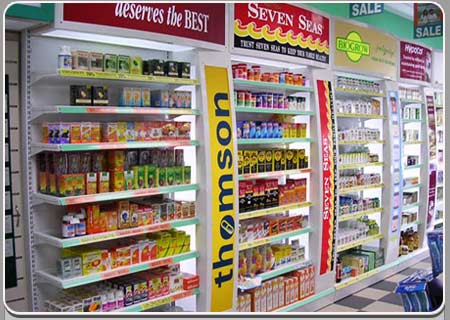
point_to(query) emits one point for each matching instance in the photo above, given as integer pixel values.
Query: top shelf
(359, 92)
(71, 75)
(270, 85)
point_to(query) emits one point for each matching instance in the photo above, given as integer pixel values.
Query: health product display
(410, 94)
(269, 193)
(271, 160)
(110, 62)
(355, 178)
(357, 155)
(96, 132)
(411, 112)
(409, 217)
(346, 83)
(278, 292)
(351, 204)
(411, 135)
(359, 106)
(268, 100)
(80, 173)
(270, 129)
(354, 230)
(358, 134)
(356, 262)
(409, 241)
(254, 73)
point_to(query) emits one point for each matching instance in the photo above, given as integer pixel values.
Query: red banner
(328, 145)
(415, 62)
(281, 29)
(204, 22)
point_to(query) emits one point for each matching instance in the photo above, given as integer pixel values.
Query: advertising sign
(197, 21)
(223, 224)
(281, 29)
(365, 49)
(415, 62)
(428, 20)
(432, 158)
(328, 139)
(365, 9)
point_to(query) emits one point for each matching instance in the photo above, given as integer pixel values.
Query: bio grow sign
(365, 49)
(365, 9)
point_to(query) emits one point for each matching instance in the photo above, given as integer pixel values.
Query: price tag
(155, 303)
(160, 263)
(99, 237)
(115, 273)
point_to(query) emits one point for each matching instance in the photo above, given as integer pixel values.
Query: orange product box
(312, 284)
(295, 289)
(64, 185)
(75, 132)
(273, 227)
(168, 130)
(282, 225)
(91, 182)
(45, 138)
(116, 160)
(103, 182)
(139, 131)
(95, 222)
(96, 134)
(183, 130)
(263, 298)
(287, 291)
(275, 293)
(123, 212)
(117, 181)
(120, 256)
(121, 131)
(190, 281)
(85, 129)
(111, 219)
(135, 254)
(281, 285)
(269, 295)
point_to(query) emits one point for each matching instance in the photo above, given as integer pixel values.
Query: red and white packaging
(269, 295)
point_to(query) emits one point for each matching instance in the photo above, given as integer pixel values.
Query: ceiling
(406, 10)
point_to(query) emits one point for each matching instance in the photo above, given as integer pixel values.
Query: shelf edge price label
(115, 273)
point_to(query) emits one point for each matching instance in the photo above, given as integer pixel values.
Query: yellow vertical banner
(223, 224)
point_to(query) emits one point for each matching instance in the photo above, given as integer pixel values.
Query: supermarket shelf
(361, 188)
(418, 185)
(40, 147)
(357, 215)
(269, 211)
(273, 174)
(274, 111)
(411, 101)
(83, 280)
(305, 301)
(359, 242)
(150, 304)
(58, 242)
(62, 75)
(278, 237)
(359, 92)
(39, 112)
(274, 141)
(98, 197)
(350, 142)
(417, 166)
(359, 165)
(412, 120)
(438, 221)
(270, 85)
(412, 142)
(411, 206)
(360, 115)
(352, 280)
(409, 225)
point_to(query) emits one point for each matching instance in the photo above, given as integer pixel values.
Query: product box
(110, 62)
(240, 155)
(100, 95)
(269, 161)
(123, 64)
(139, 177)
(94, 261)
(146, 97)
(136, 66)
(122, 130)
(80, 60)
(96, 60)
(253, 161)
(95, 132)
(117, 181)
(137, 97)
(247, 162)
(91, 183)
(184, 70)
(64, 133)
(126, 97)
(80, 95)
(103, 182)
(157, 67)
(124, 216)
(159, 98)
(186, 175)
(171, 68)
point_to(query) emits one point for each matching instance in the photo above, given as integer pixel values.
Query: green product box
(365, 259)
(178, 175)
(379, 252)
(151, 174)
(379, 262)
(124, 64)
(110, 63)
(187, 174)
(162, 177)
(139, 177)
(129, 179)
(171, 176)
(371, 256)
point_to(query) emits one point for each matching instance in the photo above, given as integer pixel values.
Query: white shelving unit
(440, 141)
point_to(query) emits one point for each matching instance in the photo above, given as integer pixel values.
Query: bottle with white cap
(65, 58)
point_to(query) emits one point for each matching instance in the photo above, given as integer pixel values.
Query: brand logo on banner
(223, 224)
(327, 127)
(432, 158)
(365, 49)
(204, 22)
(365, 9)
(281, 29)
(428, 20)
(353, 46)
(415, 62)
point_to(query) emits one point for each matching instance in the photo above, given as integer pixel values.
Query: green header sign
(353, 46)
(365, 9)
(40, 12)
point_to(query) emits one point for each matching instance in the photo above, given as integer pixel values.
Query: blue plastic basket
(435, 245)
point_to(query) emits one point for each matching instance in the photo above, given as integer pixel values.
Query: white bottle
(112, 305)
(119, 299)
(65, 58)
(105, 305)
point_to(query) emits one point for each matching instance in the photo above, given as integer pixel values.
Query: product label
(223, 209)
(328, 145)
(415, 62)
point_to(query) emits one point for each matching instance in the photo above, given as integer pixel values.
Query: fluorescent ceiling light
(120, 41)
(267, 62)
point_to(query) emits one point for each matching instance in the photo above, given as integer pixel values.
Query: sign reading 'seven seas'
(223, 209)
(196, 21)
(365, 49)
(365, 9)
(282, 29)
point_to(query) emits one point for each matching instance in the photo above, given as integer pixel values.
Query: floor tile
(371, 293)
(379, 306)
(422, 265)
(355, 302)
(392, 298)
(409, 271)
(337, 308)
(396, 277)
(385, 285)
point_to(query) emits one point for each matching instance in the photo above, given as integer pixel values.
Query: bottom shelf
(305, 301)
(150, 304)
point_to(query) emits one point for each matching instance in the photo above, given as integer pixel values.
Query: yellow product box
(96, 134)
(124, 217)
(290, 161)
(253, 161)
(303, 130)
(85, 128)
(269, 161)
(301, 159)
(261, 161)
(121, 131)
(279, 160)
(117, 181)
(240, 154)
(246, 162)
(136, 65)
(91, 183)
(94, 261)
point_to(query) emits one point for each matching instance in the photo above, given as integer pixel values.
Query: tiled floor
(379, 297)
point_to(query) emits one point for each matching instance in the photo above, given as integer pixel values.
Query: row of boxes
(144, 97)
(270, 160)
(270, 130)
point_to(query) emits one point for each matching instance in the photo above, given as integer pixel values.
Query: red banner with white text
(328, 183)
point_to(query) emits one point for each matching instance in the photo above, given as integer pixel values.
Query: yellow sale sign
(223, 224)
